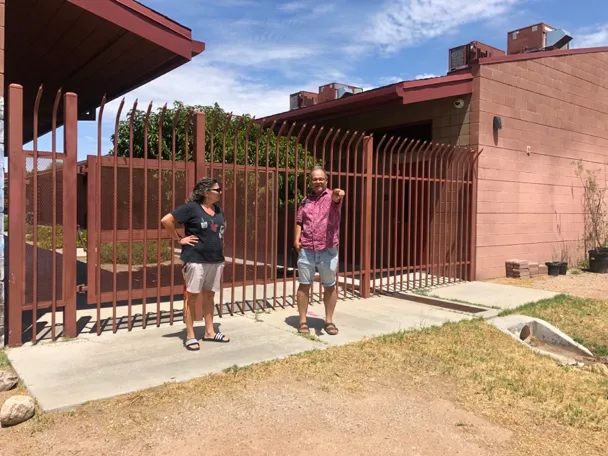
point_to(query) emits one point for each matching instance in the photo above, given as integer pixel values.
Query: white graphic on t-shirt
(204, 225)
(221, 233)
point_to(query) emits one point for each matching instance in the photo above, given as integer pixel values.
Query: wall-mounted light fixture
(497, 123)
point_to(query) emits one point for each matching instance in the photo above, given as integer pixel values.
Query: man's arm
(297, 237)
(337, 195)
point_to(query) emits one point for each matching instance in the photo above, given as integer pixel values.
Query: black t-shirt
(209, 231)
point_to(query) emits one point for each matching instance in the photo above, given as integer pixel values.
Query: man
(316, 239)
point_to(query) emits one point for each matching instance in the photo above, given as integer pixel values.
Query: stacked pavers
(522, 269)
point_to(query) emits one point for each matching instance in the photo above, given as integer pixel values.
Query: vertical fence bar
(35, 220)
(237, 130)
(314, 155)
(286, 210)
(267, 209)
(16, 215)
(97, 204)
(115, 214)
(161, 119)
(130, 237)
(459, 209)
(171, 242)
(144, 313)
(295, 207)
(396, 181)
(434, 264)
(422, 224)
(382, 216)
(375, 173)
(199, 158)
(391, 217)
(404, 240)
(347, 223)
(54, 208)
(446, 234)
(458, 234)
(415, 216)
(409, 244)
(54, 217)
(339, 185)
(186, 191)
(246, 231)
(70, 181)
(256, 172)
(473, 234)
(465, 213)
(367, 278)
(223, 179)
(427, 238)
(353, 198)
(275, 254)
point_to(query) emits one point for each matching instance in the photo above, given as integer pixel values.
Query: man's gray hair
(317, 168)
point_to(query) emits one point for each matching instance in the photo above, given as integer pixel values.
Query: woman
(202, 254)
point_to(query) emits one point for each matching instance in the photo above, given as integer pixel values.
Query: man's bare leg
(188, 313)
(330, 298)
(303, 298)
(208, 311)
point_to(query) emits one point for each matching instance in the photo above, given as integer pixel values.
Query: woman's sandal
(219, 337)
(192, 345)
(303, 329)
(330, 329)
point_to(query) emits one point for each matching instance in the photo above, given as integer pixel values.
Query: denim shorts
(324, 261)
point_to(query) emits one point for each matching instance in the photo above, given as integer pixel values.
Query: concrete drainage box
(543, 338)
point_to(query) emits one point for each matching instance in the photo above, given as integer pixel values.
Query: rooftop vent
(461, 57)
(539, 37)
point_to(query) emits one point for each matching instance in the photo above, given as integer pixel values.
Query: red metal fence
(407, 221)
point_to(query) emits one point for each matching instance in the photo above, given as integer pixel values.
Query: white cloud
(425, 76)
(258, 54)
(592, 38)
(292, 6)
(404, 23)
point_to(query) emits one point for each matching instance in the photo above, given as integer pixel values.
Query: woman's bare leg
(188, 313)
(208, 311)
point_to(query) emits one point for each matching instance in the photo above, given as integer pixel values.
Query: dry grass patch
(585, 320)
(548, 407)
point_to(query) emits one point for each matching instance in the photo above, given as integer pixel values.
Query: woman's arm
(168, 222)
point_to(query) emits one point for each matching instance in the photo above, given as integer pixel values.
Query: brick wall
(558, 107)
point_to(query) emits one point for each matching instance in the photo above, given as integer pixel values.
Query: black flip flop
(219, 337)
(301, 329)
(190, 343)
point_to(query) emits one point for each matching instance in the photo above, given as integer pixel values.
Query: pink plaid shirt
(319, 218)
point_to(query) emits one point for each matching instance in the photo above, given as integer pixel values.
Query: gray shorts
(202, 277)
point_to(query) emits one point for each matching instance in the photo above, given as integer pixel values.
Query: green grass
(585, 320)
(4, 358)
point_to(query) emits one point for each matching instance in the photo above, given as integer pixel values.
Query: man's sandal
(330, 329)
(303, 329)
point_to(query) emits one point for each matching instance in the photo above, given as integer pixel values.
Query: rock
(17, 409)
(600, 369)
(8, 380)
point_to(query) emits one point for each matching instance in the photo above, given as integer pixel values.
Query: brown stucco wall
(558, 106)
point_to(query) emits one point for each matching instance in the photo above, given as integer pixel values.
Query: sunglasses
(217, 190)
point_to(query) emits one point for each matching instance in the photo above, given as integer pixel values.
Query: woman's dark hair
(201, 188)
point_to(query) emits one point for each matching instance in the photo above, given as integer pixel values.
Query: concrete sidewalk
(66, 374)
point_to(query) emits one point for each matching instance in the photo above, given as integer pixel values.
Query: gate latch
(81, 289)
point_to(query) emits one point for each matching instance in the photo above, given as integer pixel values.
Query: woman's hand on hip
(188, 240)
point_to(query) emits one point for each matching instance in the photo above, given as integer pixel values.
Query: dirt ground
(460, 389)
(576, 283)
(276, 419)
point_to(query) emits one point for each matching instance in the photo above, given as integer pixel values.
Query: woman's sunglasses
(217, 190)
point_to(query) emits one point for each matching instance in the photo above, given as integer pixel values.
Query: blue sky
(258, 52)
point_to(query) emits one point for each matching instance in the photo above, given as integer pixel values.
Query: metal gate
(87, 250)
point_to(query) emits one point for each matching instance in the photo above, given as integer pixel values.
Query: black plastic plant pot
(553, 268)
(598, 261)
(563, 268)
